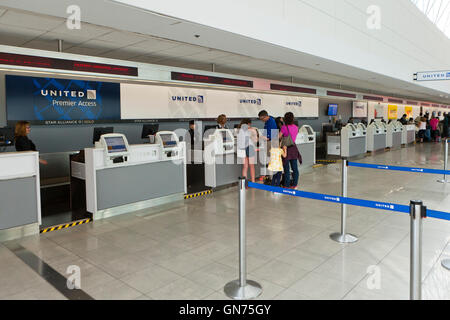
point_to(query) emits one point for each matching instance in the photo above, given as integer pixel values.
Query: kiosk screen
(115, 144)
(308, 129)
(167, 140)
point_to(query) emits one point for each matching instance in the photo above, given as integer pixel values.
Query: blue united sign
(432, 76)
(61, 101)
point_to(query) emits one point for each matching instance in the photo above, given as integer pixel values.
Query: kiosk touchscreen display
(167, 140)
(308, 129)
(115, 144)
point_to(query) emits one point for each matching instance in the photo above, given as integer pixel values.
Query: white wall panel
(160, 102)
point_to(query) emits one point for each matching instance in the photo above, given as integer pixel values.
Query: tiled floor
(189, 250)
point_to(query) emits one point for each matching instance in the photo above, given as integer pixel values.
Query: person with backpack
(288, 135)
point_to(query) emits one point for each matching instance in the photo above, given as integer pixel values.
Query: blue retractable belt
(394, 168)
(344, 200)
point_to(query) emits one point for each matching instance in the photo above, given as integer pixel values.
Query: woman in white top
(422, 128)
(247, 139)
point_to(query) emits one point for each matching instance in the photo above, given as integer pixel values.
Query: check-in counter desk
(333, 143)
(353, 141)
(149, 175)
(195, 171)
(222, 166)
(408, 134)
(20, 200)
(376, 137)
(306, 144)
(394, 135)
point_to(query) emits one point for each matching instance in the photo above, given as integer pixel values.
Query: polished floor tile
(190, 249)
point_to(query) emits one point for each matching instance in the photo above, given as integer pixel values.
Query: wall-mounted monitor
(149, 130)
(6, 137)
(332, 110)
(99, 131)
(209, 128)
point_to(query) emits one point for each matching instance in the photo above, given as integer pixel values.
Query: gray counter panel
(125, 185)
(228, 173)
(396, 139)
(308, 152)
(379, 142)
(357, 146)
(18, 202)
(411, 136)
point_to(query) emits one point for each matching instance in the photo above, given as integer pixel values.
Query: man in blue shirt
(269, 127)
(270, 124)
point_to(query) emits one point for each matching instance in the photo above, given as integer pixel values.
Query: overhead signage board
(359, 109)
(13, 59)
(432, 76)
(179, 76)
(61, 101)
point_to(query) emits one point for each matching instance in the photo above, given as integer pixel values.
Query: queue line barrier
(243, 289)
(396, 168)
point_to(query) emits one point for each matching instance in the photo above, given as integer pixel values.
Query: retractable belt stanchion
(343, 237)
(417, 212)
(447, 141)
(242, 289)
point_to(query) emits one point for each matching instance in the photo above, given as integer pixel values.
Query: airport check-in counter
(408, 133)
(333, 144)
(394, 134)
(20, 199)
(376, 137)
(220, 157)
(121, 178)
(353, 141)
(306, 144)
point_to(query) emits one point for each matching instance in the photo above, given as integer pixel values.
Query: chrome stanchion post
(417, 213)
(447, 141)
(344, 237)
(242, 289)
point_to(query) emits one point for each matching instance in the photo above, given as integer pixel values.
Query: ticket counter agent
(20, 200)
(353, 141)
(376, 137)
(121, 178)
(394, 134)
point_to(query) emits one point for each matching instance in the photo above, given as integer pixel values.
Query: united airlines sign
(432, 76)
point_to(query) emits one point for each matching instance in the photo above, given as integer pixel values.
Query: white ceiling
(31, 30)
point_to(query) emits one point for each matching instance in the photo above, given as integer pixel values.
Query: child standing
(276, 164)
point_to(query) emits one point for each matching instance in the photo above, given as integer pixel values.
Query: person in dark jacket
(446, 131)
(403, 120)
(22, 142)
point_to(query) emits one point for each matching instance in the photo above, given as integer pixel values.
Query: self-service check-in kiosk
(376, 136)
(306, 144)
(119, 178)
(353, 141)
(221, 163)
(394, 134)
(169, 145)
(116, 148)
(408, 134)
